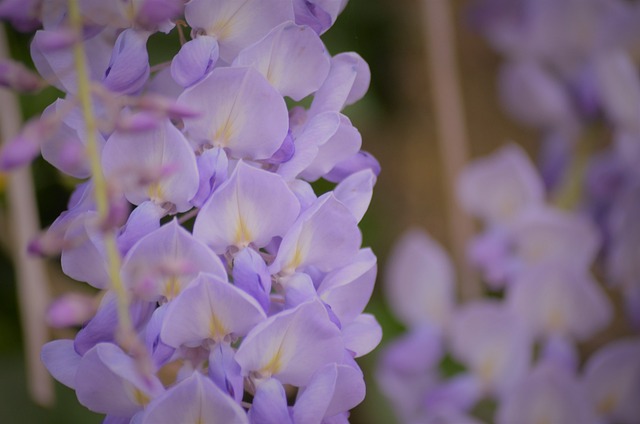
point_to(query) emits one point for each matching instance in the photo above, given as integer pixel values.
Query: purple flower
(500, 187)
(250, 208)
(612, 381)
(194, 399)
(556, 300)
(195, 60)
(247, 116)
(546, 394)
(493, 343)
(270, 288)
(291, 345)
(419, 281)
(292, 58)
(237, 25)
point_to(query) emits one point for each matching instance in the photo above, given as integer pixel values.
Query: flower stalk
(100, 186)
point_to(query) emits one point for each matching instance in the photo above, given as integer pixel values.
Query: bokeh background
(396, 119)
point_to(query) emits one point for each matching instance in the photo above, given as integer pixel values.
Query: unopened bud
(165, 106)
(52, 40)
(358, 162)
(285, 152)
(18, 152)
(71, 309)
(152, 13)
(138, 122)
(17, 77)
(21, 13)
(53, 241)
(23, 148)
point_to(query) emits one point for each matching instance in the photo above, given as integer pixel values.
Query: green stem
(101, 193)
(569, 194)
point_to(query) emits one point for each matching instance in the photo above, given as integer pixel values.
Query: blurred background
(396, 119)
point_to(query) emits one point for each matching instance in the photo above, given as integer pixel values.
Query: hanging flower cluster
(256, 315)
(573, 62)
(520, 350)
(517, 356)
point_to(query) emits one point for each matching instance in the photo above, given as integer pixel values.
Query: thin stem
(100, 186)
(570, 191)
(31, 277)
(187, 216)
(452, 134)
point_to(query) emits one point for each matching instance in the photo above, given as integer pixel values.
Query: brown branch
(33, 289)
(451, 129)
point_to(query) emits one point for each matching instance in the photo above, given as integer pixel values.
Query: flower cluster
(537, 258)
(256, 314)
(573, 63)
(518, 356)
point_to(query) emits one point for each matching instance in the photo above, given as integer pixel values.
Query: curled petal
(128, 68)
(342, 144)
(312, 15)
(362, 335)
(213, 166)
(143, 220)
(348, 289)
(347, 82)
(358, 162)
(269, 404)
(195, 60)
(250, 274)
(225, 372)
(356, 191)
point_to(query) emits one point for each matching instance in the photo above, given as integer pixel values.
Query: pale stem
(570, 190)
(31, 277)
(451, 129)
(126, 332)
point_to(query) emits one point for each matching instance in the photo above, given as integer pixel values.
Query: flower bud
(17, 77)
(71, 309)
